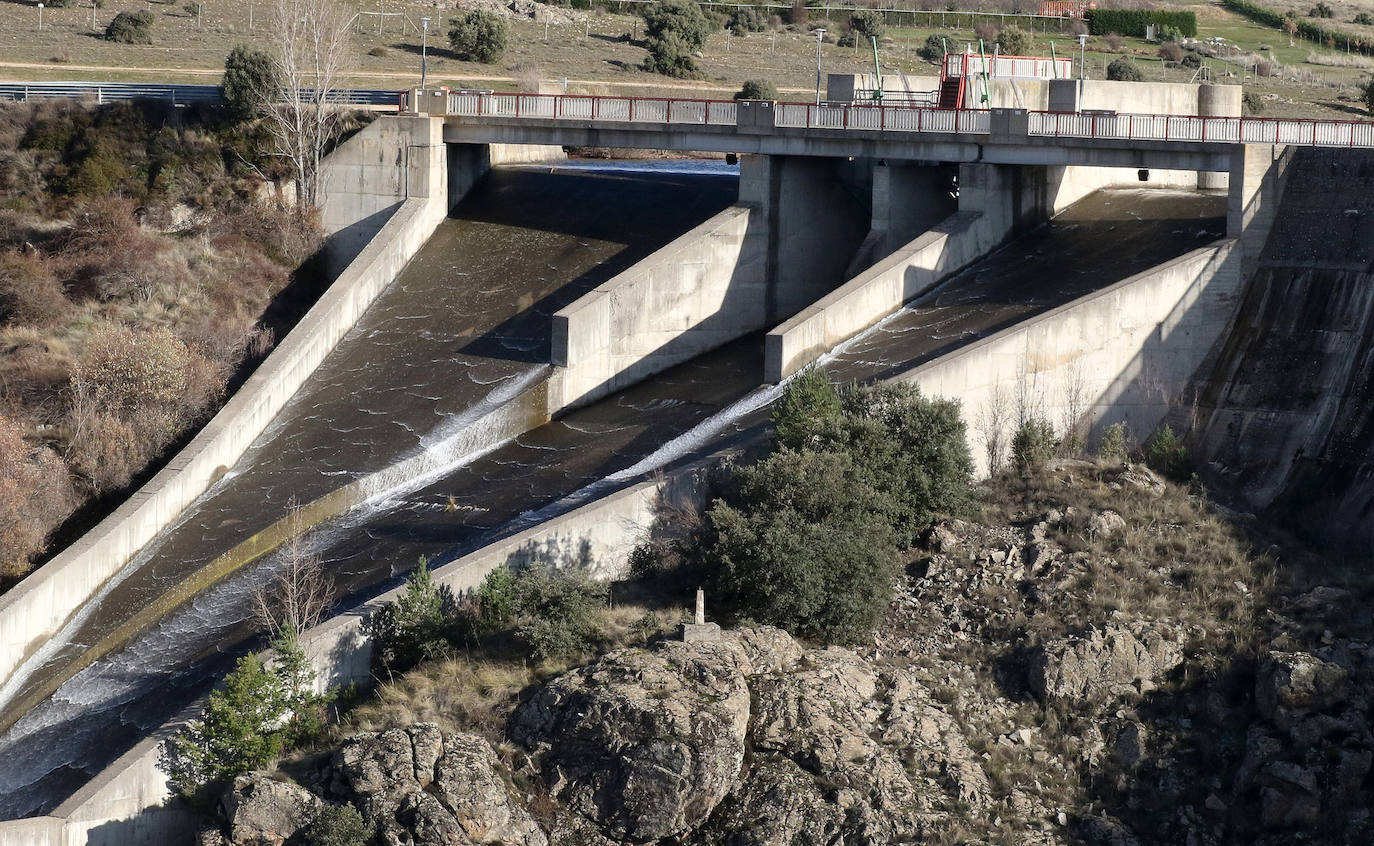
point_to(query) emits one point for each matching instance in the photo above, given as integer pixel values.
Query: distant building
(1066, 8)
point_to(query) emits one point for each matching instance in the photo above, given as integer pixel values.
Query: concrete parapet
(1258, 174)
(1123, 353)
(693, 295)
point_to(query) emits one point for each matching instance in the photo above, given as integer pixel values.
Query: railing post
(480, 98)
(667, 111)
(706, 117)
(632, 108)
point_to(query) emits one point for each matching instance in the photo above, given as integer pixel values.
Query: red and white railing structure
(885, 118)
(1006, 67)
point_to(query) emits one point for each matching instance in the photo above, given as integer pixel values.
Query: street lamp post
(1082, 56)
(820, 36)
(424, 50)
(40, 17)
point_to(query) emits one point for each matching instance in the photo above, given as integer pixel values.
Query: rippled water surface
(395, 389)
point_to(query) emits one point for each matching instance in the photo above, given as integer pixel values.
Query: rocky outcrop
(420, 786)
(1103, 665)
(264, 812)
(645, 744)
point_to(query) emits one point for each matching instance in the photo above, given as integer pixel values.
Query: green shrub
(1133, 21)
(863, 25)
(1015, 41)
(934, 48)
(424, 623)
(479, 36)
(131, 28)
(1171, 52)
(1191, 60)
(802, 541)
(808, 405)
(337, 825)
(1124, 70)
(1363, 19)
(496, 600)
(1253, 104)
(757, 89)
(1166, 454)
(744, 19)
(1368, 96)
(673, 31)
(247, 723)
(250, 80)
(1033, 445)
(1321, 10)
(555, 611)
(1170, 34)
(1113, 444)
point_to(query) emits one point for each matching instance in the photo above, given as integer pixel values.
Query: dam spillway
(686, 412)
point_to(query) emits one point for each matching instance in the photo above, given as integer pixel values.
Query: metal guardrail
(908, 118)
(104, 92)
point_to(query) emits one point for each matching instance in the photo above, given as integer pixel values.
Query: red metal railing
(888, 118)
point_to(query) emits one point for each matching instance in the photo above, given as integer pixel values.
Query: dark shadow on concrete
(343, 246)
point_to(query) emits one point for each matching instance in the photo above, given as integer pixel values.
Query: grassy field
(595, 52)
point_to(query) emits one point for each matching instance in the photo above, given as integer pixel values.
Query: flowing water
(689, 411)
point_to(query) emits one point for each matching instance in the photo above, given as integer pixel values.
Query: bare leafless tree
(992, 425)
(309, 46)
(297, 598)
(1074, 410)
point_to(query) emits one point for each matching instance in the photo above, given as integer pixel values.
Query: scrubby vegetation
(131, 28)
(479, 36)
(250, 80)
(1124, 70)
(136, 260)
(673, 31)
(757, 89)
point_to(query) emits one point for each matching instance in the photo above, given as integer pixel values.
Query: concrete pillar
(809, 219)
(1256, 184)
(1217, 101)
(908, 199)
(1011, 198)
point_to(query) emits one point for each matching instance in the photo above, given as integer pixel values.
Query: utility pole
(424, 51)
(820, 36)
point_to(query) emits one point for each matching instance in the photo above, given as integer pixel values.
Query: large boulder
(644, 744)
(1102, 665)
(264, 812)
(423, 787)
(1294, 683)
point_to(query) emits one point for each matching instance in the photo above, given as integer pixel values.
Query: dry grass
(476, 691)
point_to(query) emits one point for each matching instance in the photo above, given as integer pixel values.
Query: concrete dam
(513, 376)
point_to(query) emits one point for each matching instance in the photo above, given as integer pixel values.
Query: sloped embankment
(1286, 416)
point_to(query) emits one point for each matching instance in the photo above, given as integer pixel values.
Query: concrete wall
(39, 605)
(693, 295)
(1123, 353)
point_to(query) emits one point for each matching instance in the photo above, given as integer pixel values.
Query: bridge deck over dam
(684, 413)
(996, 136)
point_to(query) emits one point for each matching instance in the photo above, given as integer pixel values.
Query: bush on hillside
(131, 28)
(1321, 10)
(1124, 70)
(802, 541)
(1033, 445)
(1171, 52)
(1015, 41)
(1169, 34)
(337, 825)
(1112, 447)
(479, 36)
(757, 89)
(745, 19)
(423, 623)
(1167, 455)
(1253, 104)
(934, 48)
(1368, 96)
(808, 406)
(1191, 60)
(251, 80)
(864, 24)
(1363, 19)
(554, 611)
(673, 31)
